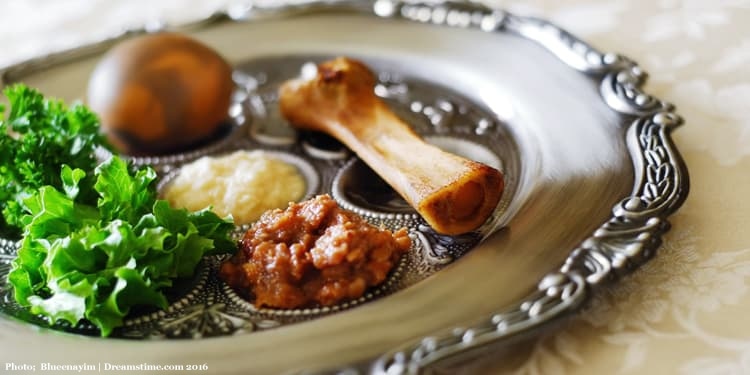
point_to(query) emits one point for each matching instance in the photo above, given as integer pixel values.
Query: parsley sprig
(96, 240)
(38, 136)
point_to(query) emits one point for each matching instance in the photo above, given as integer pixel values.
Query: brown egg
(160, 93)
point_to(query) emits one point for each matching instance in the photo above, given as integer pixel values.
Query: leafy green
(96, 261)
(96, 241)
(38, 136)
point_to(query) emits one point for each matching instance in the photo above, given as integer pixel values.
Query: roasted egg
(161, 93)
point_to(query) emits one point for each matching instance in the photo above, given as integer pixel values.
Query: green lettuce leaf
(122, 195)
(96, 262)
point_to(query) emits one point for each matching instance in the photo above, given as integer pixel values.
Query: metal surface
(627, 240)
(597, 177)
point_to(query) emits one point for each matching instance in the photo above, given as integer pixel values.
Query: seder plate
(591, 173)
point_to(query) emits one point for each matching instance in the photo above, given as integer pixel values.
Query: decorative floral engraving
(8, 251)
(440, 249)
(210, 319)
(554, 295)
(680, 284)
(625, 242)
(621, 91)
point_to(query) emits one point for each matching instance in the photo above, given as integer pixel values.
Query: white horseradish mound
(244, 184)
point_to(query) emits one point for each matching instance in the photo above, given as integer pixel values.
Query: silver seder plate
(591, 176)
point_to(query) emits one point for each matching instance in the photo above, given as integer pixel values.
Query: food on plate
(243, 184)
(79, 260)
(313, 252)
(161, 93)
(38, 136)
(453, 194)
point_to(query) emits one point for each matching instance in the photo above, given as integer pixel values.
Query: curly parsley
(38, 136)
(96, 241)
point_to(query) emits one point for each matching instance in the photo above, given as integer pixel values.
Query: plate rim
(624, 242)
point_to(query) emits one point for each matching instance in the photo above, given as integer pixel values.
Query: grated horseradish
(243, 184)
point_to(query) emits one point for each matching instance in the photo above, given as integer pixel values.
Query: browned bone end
(466, 202)
(453, 194)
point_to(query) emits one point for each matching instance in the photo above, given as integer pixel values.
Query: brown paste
(312, 253)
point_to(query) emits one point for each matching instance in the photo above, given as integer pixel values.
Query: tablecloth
(683, 312)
